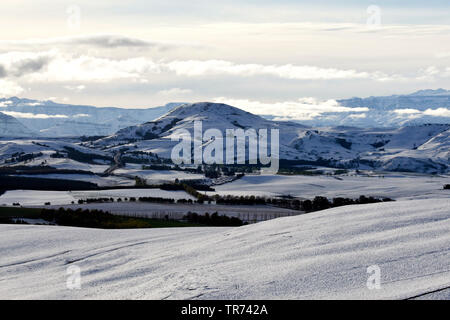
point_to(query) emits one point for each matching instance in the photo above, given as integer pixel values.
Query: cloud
(9, 88)
(175, 92)
(18, 64)
(4, 104)
(302, 109)
(26, 115)
(288, 71)
(57, 66)
(2, 71)
(106, 41)
(358, 116)
(78, 88)
(406, 111)
(65, 68)
(442, 55)
(439, 112)
(81, 115)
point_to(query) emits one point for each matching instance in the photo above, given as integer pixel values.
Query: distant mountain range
(423, 148)
(50, 119)
(424, 106)
(419, 148)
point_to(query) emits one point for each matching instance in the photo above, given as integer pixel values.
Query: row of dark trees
(213, 220)
(79, 217)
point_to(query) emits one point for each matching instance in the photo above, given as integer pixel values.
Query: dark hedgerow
(213, 220)
(105, 220)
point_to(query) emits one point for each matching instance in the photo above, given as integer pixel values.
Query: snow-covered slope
(11, 127)
(319, 255)
(420, 148)
(52, 119)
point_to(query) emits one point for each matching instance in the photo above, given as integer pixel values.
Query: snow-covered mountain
(11, 127)
(419, 148)
(50, 119)
(424, 106)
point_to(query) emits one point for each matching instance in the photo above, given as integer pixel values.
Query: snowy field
(392, 185)
(158, 176)
(109, 181)
(178, 211)
(39, 198)
(35, 197)
(314, 256)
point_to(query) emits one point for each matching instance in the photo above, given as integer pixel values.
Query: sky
(259, 53)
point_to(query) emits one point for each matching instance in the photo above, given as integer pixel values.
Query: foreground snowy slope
(318, 255)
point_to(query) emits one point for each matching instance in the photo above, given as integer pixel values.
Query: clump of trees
(242, 200)
(95, 200)
(447, 187)
(316, 204)
(79, 217)
(213, 220)
(23, 157)
(156, 199)
(140, 182)
(322, 203)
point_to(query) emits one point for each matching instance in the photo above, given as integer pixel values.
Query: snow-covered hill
(50, 119)
(11, 127)
(314, 256)
(421, 148)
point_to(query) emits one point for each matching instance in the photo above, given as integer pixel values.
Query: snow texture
(314, 256)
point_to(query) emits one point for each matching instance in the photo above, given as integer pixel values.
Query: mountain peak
(206, 108)
(431, 92)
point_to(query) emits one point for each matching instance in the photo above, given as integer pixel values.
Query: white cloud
(4, 104)
(175, 92)
(441, 55)
(56, 66)
(358, 116)
(64, 68)
(9, 88)
(78, 88)
(302, 109)
(288, 71)
(439, 112)
(406, 111)
(26, 115)
(81, 115)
